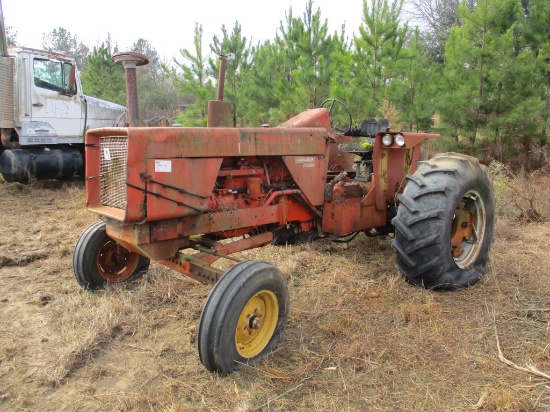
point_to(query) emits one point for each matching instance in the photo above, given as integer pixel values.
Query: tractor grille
(112, 158)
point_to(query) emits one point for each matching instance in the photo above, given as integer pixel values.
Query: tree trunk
(497, 129)
(477, 114)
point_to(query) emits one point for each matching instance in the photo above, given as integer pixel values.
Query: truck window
(52, 75)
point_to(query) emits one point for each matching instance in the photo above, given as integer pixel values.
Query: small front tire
(98, 259)
(244, 317)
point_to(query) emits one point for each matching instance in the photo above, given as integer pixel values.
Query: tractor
(189, 196)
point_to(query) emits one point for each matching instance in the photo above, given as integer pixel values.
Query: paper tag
(107, 154)
(163, 166)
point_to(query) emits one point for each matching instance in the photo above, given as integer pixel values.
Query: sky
(167, 25)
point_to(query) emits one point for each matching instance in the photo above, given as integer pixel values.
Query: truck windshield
(52, 75)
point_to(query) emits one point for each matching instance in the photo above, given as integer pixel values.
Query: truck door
(54, 102)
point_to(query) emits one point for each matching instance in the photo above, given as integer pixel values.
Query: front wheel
(98, 259)
(244, 317)
(444, 224)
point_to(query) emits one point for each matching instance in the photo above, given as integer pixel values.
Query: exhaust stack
(219, 112)
(130, 60)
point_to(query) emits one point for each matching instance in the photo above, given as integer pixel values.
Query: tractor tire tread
(424, 218)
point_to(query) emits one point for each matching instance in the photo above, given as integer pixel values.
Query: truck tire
(444, 224)
(244, 317)
(98, 260)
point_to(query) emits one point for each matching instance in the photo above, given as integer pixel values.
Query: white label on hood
(163, 166)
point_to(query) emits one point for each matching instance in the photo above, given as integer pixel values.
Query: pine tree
(378, 49)
(104, 78)
(235, 69)
(347, 81)
(261, 104)
(436, 18)
(412, 92)
(537, 41)
(194, 80)
(11, 36)
(156, 90)
(305, 64)
(61, 40)
(479, 57)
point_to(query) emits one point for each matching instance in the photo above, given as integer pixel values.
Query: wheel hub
(115, 263)
(463, 232)
(256, 324)
(468, 229)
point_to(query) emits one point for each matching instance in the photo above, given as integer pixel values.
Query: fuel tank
(22, 165)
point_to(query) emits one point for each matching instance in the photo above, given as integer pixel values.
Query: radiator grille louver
(7, 96)
(113, 151)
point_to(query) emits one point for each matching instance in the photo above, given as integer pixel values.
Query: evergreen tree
(11, 36)
(378, 49)
(104, 78)
(512, 90)
(260, 102)
(476, 57)
(346, 82)
(436, 18)
(235, 69)
(157, 94)
(194, 80)
(306, 51)
(61, 40)
(412, 92)
(537, 41)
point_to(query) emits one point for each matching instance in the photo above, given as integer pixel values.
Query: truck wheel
(444, 224)
(98, 260)
(244, 317)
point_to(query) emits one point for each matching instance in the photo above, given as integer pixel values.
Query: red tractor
(187, 197)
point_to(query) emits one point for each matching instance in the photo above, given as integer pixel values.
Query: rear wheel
(444, 225)
(244, 317)
(98, 259)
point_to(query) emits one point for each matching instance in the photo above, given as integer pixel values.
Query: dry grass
(519, 193)
(358, 337)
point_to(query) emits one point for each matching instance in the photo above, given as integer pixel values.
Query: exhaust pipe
(219, 112)
(130, 60)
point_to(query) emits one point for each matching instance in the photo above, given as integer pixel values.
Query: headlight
(387, 140)
(400, 140)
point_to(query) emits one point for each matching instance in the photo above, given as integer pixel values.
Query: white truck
(44, 114)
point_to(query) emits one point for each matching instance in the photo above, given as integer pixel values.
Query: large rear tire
(444, 224)
(244, 317)
(98, 260)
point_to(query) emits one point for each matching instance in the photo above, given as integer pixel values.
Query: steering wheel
(336, 118)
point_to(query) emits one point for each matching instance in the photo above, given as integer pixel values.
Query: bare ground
(358, 338)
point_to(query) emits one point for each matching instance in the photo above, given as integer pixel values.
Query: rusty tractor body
(186, 197)
(174, 188)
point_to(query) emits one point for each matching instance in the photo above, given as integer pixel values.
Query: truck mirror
(72, 80)
(69, 86)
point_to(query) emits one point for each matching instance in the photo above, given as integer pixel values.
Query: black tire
(444, 224)
(244, 317)
(94, 261)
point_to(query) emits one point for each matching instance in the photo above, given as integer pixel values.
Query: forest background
(478, 72)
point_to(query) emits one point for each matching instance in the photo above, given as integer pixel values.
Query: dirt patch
(358, 338)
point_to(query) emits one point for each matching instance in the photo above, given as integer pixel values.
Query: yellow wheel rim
(257, 324)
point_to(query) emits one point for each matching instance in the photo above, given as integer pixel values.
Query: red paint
(190, 187)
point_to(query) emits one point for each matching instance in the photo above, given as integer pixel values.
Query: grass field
(358, 338)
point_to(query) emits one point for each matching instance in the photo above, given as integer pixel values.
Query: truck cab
(44, 115)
